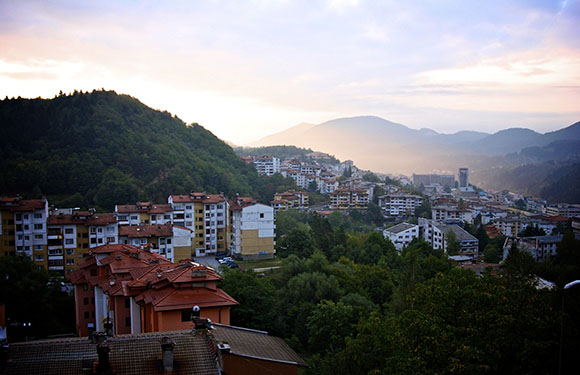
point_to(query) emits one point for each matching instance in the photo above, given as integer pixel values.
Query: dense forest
(350, 304)
(281, 152)
(101, 148)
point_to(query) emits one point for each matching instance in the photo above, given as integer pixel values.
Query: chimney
(103, 365)
(167, 346)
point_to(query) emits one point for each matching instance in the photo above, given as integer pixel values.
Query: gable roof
(139, 354)
(252, 343)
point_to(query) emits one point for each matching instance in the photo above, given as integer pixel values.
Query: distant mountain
(385, 146)
(101, 148)
(284, 136)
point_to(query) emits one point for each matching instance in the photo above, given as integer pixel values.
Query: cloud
(340, 6)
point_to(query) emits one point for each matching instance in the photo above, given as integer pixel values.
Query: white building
(253, 229)
(267, 165)
(400, 204)
(436, 234)
(401, 234)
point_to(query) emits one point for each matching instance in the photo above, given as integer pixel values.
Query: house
(401, 234)
(253, 229)
(140, 291)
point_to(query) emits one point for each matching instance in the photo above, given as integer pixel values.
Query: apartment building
(267, 165)
(207, 215)
(452, 213)
(563, 209)
(436, 234)
(400, 204)
(171, 241)
(346, 198)
(253, 229)
(326, 185)
(23, 228)
(144, 213)
(401, 234)
(71, 235)
(290, 199)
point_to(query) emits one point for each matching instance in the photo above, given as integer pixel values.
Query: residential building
(345, 198)
(267, 165)
(452, 213)
(400, 204)
(23, 228)
(326, 185)
(171, 241)
(402, 234)
(253, 229)
(290, 199)
(72, 235)
(436, 234)
(463, 177)
(144, 213)
(207, 349)
(140, 291)
(563, 209)
(540, 247)
(207, 215)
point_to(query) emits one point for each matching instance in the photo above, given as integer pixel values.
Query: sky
(246, 69)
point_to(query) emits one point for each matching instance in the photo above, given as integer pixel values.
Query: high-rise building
(463, 177)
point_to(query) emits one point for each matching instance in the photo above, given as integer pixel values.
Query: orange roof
(144, 207)
(184, 299)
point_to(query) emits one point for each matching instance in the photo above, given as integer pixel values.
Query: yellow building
(253, 229)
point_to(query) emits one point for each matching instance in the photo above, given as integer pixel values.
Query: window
(19, 227)
(69, 241)
(85, 287)
(38, 216)
(93, 230)
(18, 217)
(38, 237)
(39, 258)
(19, 237)
(188, 207)
(127, 302)
(86, 301)
(38, 247)
(68, 230)
(26, 238)
(261, 216)
(100, 230)
(186, 316)
(110, 229)
(70, 251)
(25, 217)
(128, 321)
(169, 241)
(70, 262)
(100, 240)
(133, 217)
(38, 226)
(188, 223)
(86, 314)
(110, 239)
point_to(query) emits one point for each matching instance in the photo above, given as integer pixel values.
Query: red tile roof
(16, 204)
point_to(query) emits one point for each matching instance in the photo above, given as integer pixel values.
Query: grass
(261, 263)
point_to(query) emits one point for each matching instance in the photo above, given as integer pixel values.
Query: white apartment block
(267, 165)
(401, 234)
(400, 204)
(563, 209)
(253, 229)
(435, 233)
(452, 213)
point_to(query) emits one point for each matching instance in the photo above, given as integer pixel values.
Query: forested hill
(101, 148)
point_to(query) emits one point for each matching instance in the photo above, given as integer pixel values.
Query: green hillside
(101, 148)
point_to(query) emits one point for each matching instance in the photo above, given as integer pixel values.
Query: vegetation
(36, 305)
(282, 152)
(351, 305)
(101, 148)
